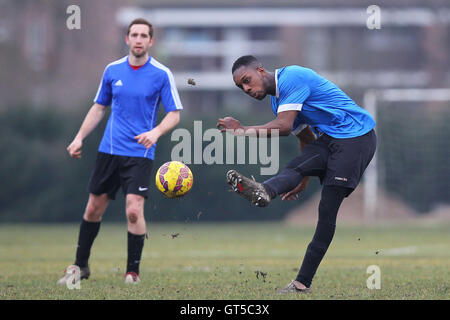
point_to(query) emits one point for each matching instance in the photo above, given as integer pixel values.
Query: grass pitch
(228, 261)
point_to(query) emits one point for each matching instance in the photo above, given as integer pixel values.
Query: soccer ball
(174, 179)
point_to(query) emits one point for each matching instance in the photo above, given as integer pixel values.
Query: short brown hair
(141, 21)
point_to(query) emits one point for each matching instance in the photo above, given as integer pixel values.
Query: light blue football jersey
(320, 104)
(134, 97)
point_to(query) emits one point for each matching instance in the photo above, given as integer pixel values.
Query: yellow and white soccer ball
(174, 179)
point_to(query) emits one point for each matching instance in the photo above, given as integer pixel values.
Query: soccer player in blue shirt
(134, 87)
(337, 142)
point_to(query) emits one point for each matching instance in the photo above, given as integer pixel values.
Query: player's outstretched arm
(149, 138)
(90, 122)
(283, 123)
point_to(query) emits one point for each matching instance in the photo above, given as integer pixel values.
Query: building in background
(202, 43)
(44, 63)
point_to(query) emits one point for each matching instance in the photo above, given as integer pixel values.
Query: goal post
(372, 100)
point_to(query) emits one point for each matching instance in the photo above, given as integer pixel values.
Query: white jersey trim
(277, 92)
(111, 132)
(121, 60)
(173, 87)
(290, 107)
(151, 121)
(96, 97)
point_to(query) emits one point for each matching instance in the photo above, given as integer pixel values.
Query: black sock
(135, 245)
(332, 197)
(86, 237)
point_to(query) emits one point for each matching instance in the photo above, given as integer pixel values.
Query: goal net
(412, 162)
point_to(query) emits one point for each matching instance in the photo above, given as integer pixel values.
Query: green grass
(218, 261)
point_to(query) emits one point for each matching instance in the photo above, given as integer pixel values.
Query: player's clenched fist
(147, 139)
(74, 148)
(228, 123)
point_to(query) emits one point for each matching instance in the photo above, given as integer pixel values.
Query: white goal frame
(371, 100)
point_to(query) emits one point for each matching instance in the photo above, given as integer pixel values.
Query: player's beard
(138, 54)
(259, 95)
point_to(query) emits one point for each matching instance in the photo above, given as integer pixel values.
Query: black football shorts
(111, 172)
(348, 159)
(339, 162)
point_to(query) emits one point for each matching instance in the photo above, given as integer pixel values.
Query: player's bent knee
(93, 213)
(95, 209)
(133, 217)
(135, 208)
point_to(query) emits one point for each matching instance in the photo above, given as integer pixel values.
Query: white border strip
(277, 92)
(173, 87)
(290, 107)
(294, 16)
(101, 81)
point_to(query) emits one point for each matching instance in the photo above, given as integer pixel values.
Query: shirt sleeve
(104, 92)
(293, 91)
(169, 94)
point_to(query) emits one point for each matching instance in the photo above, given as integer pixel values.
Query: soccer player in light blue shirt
(134, 97)
(133, 87)
(337, 142)
(320, 104)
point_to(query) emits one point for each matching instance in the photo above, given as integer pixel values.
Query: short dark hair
(244, 61)
(141, 21)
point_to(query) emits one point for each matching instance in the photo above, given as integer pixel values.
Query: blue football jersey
(134, 97)
(320, 104)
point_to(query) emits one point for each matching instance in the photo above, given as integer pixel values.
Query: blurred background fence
(49, 75)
